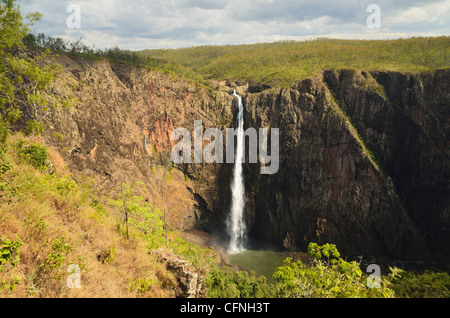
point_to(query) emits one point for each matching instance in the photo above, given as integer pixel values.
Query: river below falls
(263, 262)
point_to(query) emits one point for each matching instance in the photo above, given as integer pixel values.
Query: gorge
(363, 158)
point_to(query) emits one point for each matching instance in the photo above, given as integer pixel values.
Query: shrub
(4, 132)
(142, 285)
(425, 285)
(34, 127)
(9, 251)
(9, 254)
(64, 185)
(241, 284)
(52, 267)
(333, 278)
(33, 154)
(5, 166)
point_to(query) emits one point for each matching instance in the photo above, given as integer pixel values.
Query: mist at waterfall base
(262, 262)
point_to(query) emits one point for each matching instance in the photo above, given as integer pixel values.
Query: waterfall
(236, 225)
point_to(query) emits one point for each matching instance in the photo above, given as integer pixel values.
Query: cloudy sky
(147, 24)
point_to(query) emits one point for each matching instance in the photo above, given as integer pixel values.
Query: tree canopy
(23, 75)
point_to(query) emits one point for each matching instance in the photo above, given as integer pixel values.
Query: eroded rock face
(380, 189)
(364, 157)
(404, 119)
(189, 283)
(118, 129)
(327, 188)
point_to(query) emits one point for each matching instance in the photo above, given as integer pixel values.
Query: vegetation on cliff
(328, 276)
(22, 77)
(55, 230)
(55, 225)
(51, 224)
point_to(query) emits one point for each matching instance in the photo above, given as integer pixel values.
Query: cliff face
(406, 124)
(364, 157)
(381, 188)
(118, 128)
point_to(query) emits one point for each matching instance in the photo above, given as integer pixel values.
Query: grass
(278, 63)
(282, 63)
(336, 109)
(49, 222)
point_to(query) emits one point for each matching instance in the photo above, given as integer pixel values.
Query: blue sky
(152, 24)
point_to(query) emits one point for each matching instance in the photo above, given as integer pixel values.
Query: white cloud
(426, 13)
(143, 24)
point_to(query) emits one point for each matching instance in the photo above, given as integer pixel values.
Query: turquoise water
(263, 262)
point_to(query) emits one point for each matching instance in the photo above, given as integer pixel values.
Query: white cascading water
(236, 224)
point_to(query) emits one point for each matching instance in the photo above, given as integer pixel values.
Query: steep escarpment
(363, 163)
(404, 119)
(117, 129)
(363, 156)
(328, 188)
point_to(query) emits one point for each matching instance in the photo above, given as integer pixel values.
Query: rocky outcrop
(189, 283)
(364, 156)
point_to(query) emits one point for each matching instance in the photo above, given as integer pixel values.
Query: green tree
(428, 284)
(139, 214)
(334, 277)
(22, 77)
(240, 284)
